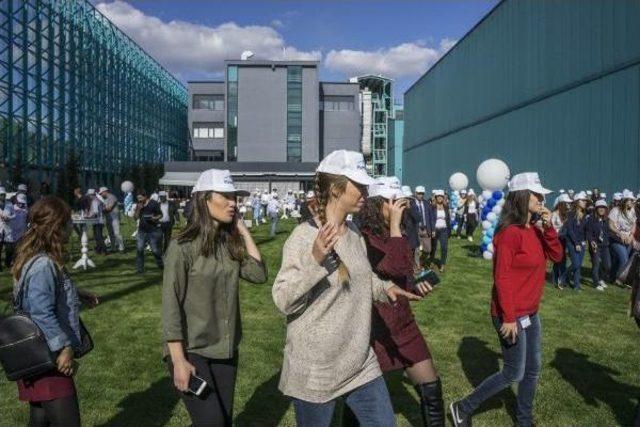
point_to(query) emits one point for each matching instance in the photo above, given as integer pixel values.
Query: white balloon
(486, 225)
(486, 194)
(490, 247)
(497, 209)
(500, 202)
(487, 255)
(458, 181)
(126, 186)
(480, 199)
(493, 174)
(491, 217)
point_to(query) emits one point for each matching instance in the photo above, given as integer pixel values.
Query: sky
(399, 39)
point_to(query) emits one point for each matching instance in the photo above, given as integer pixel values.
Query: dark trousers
(472, 224)
(166, 228)
(55, 413)
(573, 273)
(214, 408)
(9, 253)
(99, 238)
(522, 364)
(153, 238)
(601, 263)
(442, 237)
(461, 223)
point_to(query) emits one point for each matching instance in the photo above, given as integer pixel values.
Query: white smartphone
(196, 385)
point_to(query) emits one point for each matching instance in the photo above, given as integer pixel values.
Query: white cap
(563, 198)
(420, 189)
(387, 187)
(162, 193)
(22, 187)
(627, 194)
(311, 194)
(571, 190)
(438, 193)
(406, 191)
(580, 196)
(3, 190)
(217, 180)
(91, 192)
(528, 181)
(102, 190)
(463, 191)
(471, 192)
(21, 198)
(346, 163)
(617, 196)
(603, 196)
(589, 193)
(601, 204)
(561, 191)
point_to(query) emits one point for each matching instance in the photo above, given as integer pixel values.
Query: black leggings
(215, 406)
(63, 412)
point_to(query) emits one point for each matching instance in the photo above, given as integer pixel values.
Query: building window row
(294, 113)
(202, 130)
(208, 102)
(338, 103)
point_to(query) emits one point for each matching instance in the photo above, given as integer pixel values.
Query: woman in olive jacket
(200, 305)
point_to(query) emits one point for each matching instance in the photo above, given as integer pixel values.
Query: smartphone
(536, 217)
(196, 385)
(428, 275)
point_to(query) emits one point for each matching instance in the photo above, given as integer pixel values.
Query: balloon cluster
(491, 209)
(454, 202)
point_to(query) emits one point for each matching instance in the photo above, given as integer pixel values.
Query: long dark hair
(515, 210)
(214, 234)
(48, 220)
(563, 210)
(371, 217)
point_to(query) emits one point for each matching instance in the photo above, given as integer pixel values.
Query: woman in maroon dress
(396, 338)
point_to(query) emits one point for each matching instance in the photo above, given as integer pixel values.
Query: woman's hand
(325, 241)
(396, 208)
(64, 361)
(182, 371)
(578, 248)
(423, 288)
(509, 331)
(395, 291)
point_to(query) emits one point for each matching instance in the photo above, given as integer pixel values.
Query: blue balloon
(491, 203)
(490, 232)
(497, 195)
(486, 210)
(486, 240)
(483, 247)
(483, 216)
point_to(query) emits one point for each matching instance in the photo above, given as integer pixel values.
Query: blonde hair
(324, 184)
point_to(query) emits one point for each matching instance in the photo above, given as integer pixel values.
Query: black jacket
(576, 231)
(597, 230)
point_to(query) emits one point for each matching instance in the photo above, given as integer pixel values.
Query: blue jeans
(600, 260)
(560, 270)
(573, 272)
(274, 225)
(622, 253)
(522, 363)
(442, 236)
(153, 238)
(370, 403)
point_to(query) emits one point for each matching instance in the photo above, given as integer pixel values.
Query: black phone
(535, 217)
(196, 385)
(427, 275)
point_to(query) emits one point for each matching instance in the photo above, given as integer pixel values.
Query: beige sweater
(328, 351)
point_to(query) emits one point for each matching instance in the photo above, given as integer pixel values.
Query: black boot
(431, 404)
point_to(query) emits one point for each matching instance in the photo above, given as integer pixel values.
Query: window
(208, 102)
(294, 113)
(339, 103)
(218, 156)
(210, 130)
(232, 113)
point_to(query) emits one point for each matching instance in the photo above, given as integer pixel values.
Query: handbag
(23, 347)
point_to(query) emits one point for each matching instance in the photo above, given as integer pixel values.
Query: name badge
(525, 322)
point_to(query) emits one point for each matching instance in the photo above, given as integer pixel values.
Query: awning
(183, 179)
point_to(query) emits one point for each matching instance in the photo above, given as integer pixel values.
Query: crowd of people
(363, 250)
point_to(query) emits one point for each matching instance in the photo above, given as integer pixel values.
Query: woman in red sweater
(396, 337)
(524, 240)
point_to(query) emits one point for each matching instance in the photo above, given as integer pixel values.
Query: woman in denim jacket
(52, 301)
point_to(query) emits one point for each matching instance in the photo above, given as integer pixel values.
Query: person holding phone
(200, 302)
(326, 288)
(576, 239)
(522, 248)
(622, 225)
(396, 337)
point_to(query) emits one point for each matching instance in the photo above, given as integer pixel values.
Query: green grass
(590, 373)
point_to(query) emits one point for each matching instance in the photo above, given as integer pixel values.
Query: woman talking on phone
(326, 288)
(200, 305)
(396, 338)
(524, 240)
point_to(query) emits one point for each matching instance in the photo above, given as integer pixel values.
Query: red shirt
(519, 269)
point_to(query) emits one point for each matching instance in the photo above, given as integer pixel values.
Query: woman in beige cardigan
(326, 288)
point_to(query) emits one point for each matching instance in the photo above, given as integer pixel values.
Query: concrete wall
(341, 129)
(205, 88)
(310, 115)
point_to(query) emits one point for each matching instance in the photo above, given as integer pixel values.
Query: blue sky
(399, 39)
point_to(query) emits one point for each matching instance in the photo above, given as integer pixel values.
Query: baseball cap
(21, 198)
(438, 193)
(346, 163)
(628, 194)
(102, 190)
(617, 196)
(471, 192)
(162, 193)
(406, 191)
(580, 196)
(22, 187)
(528, 181)
(420, 189)
(387, 187)
(311, 194)
(217, 180)
(601, 204)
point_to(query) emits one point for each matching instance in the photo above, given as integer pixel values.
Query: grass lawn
(590, 376)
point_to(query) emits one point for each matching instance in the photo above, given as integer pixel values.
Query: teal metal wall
(396, 135)
(550, 86)
(71, 80)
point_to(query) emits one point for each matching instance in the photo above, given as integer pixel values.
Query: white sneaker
(470, 239)
(602, 284)
(600, 288)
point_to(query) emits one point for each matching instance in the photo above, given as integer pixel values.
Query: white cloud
(187, 49)
(404, 60)
(276, 23)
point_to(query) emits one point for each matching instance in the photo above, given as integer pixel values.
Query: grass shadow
(153, 406)
(596, 384)
(256, 413)
(479, 361)
(111, 296)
